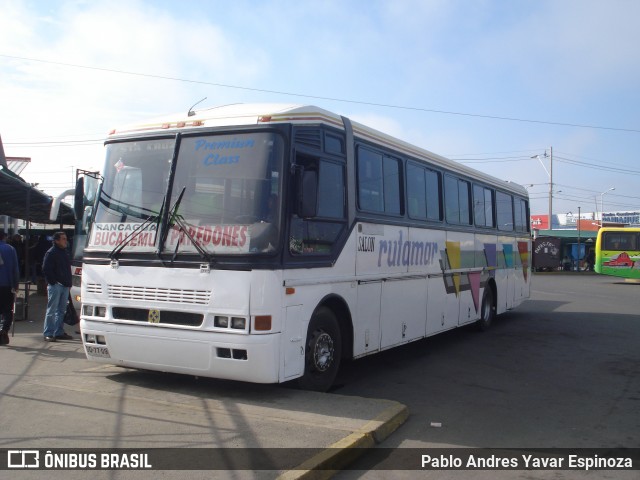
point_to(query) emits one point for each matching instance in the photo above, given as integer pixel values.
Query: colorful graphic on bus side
(621, 264)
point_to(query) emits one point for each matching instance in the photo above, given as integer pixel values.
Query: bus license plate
(98, 351)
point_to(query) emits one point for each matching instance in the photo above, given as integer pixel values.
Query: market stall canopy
(15, 193)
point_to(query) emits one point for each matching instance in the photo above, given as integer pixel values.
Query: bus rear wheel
(323, 350)
(487, 310)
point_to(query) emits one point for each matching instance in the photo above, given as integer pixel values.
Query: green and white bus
(618, 252)
(267, 243)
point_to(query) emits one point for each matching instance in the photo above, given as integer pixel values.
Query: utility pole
(578, 238)
(551, 189)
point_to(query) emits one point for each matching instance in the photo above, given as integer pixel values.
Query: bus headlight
(92, 311)
(235, 323)
(238, 323)
(221, 321)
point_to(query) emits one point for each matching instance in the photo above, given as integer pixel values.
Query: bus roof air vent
(309, 137)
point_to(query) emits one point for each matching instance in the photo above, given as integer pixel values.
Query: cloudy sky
(490, 83)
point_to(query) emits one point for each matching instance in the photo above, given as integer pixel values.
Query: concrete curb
(563, 272)
(345, 451)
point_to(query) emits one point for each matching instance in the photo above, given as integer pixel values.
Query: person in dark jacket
(9, 275)
(56, 269)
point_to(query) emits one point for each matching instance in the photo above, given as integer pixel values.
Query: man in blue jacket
(9, 277)
(56, 269)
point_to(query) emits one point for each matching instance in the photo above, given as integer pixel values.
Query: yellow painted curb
(345, 451)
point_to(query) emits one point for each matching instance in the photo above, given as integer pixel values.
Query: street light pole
(579, 239)
(602, 205)
(550, 173)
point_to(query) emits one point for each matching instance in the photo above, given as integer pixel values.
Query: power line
(491, 160)
(526, 152)
(601, 166)
(587, 200)
(318, 97)
(61, 143)
(84, 134)
(577, 196)
(54, 141)
(578, 188)
(582, 157)
(597, 192)
(597, 167)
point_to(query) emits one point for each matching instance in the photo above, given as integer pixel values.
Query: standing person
(9, 275)
(591, 260)
(56, 268)
(17, 243)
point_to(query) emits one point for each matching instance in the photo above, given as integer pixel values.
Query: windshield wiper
(125, 241)
(171, 217)
(184, 228)
(175, 218)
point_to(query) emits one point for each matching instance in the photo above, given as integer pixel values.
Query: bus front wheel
(323, 350)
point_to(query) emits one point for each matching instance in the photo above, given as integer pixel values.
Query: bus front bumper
(250, 358)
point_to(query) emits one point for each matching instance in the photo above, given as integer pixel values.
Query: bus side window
(379, 186)
(522, 222)
(483, 206)
(620, 241)
(504, 211)
(457, 194)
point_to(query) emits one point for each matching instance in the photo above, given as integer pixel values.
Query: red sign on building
(539, 222)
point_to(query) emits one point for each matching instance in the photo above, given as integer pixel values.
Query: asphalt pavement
(52, 397)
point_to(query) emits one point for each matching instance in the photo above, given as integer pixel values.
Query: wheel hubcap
(323, 352)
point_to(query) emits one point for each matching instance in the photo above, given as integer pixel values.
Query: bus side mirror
(78, 199)
(88, 213)
(307, 193)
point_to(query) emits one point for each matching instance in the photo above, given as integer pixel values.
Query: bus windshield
(226, 195)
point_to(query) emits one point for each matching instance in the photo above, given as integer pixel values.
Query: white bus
(266, 243)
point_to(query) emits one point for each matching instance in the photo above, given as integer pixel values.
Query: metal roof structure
(17, 164)
(19, 199)
(568, 233)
